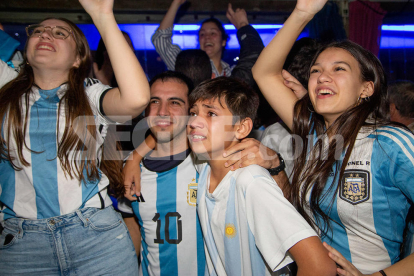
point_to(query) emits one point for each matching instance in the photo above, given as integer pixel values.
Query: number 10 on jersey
(170, 218)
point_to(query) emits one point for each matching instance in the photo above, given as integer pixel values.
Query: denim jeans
(88, 242)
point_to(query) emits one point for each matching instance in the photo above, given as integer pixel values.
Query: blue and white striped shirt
(172, 241)
(374, 196)
(42, 190)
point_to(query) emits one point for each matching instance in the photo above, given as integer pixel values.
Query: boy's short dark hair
(401, 93)
(179, 77)
(195, 64)
(240, 99)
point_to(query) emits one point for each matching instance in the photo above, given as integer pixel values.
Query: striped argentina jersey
(248, 225)
(373, 199)
(42, 190)
(172, 242)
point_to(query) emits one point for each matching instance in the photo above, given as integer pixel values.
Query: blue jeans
(88, 242)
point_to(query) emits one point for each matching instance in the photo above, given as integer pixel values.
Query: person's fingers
(292, 85)
(248, 160)
(233, 159)
(331, 249)
(234, 149)
(347, 268)
(230, 9)
(129, 190)
(288, 76)
(341, 272)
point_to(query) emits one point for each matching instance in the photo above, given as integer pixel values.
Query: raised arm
(168, 20)
(268, 69)
(132, 96)
(251, 45)
(162, 37)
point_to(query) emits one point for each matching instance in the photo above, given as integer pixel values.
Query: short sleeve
(95, 90)
(7, 73)
(274, 222)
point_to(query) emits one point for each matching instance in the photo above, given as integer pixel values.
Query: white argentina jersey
(373, 199)
(172, 242)
(42, 190)
(247, 223)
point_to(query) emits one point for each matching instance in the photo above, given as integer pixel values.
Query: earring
(367, 99)
(358, 101)
(27, 62)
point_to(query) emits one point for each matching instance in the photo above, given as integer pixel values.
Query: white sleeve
(274, 222)
(95, 90)
(6, 73)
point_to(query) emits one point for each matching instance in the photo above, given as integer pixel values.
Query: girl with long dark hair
(353, 178)
(55, 209)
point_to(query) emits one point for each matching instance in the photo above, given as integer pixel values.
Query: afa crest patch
(192, 193)
(355, 186)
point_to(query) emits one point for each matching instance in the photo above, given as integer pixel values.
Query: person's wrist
(280, 167)
(304, 15)
(242, 24)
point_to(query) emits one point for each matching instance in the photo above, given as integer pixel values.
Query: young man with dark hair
(195, 64)
(248, 225)
(401, 98)
(172, 242)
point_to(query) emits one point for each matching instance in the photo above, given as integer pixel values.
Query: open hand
(97, 7)
(250, 151)
(348, 269)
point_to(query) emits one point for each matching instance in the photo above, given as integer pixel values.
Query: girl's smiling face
(335, 83)
(46, 50)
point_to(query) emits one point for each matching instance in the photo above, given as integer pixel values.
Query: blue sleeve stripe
(404, 142)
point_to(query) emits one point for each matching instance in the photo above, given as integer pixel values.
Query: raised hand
(310, 7)
(238, 18)
(97, 7)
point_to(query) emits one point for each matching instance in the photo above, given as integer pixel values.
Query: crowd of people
(327, 189)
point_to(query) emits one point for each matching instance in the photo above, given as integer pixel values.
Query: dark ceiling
(133, 11)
